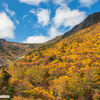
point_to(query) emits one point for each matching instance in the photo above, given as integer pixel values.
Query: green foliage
(5, 75)
(51, 58)
(10, 91)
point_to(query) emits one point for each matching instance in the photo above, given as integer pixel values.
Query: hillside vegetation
(67, 70)
(10, 51)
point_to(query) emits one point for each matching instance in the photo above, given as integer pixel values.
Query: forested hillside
(67, 70)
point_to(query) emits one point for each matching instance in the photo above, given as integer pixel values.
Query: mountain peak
(2, 40)
(89, 21)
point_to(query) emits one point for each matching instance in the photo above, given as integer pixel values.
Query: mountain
(55, 40)
(66, 70)
(90, 20)
(12, 50)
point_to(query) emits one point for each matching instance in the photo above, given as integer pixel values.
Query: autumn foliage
(67, 70)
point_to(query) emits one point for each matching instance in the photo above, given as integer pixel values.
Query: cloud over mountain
(66, 17)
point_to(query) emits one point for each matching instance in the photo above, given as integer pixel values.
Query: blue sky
(37, 21)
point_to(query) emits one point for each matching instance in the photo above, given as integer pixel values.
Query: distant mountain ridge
(89, 21)
(12, 50)
(2, 40)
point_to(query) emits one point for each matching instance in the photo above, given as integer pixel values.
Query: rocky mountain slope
(90, 20)
(11, 50)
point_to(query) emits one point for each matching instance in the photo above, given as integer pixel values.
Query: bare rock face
(2, 40)
(90, 20)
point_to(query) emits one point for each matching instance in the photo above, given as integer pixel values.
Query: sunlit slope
(84, 43)
(67, 70)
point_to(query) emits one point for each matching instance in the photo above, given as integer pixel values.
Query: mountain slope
(11, 50)
(69, 69)
(89, 21)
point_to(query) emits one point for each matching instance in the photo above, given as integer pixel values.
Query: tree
(35, 75)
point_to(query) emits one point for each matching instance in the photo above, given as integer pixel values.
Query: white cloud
(43, 16)
(6, 26)
(61, 2)
(24, 17)
(12, 13)
(36, 39)
(32, 11)
(17, 22)
(64, 16)
(32, 2)
(87, 3)
(53, 32)
(67, 18)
